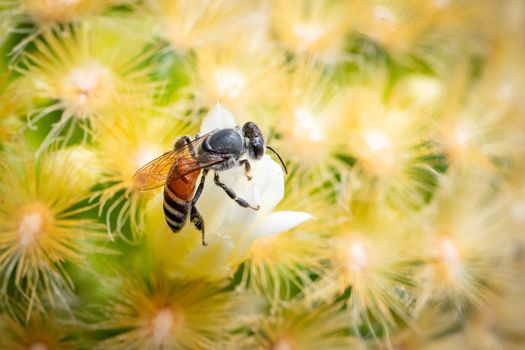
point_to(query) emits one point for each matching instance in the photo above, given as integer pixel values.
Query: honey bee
(178, 170)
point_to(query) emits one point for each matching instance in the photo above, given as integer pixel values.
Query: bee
(179, 169)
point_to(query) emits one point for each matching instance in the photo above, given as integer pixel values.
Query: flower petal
(217, 118)
(268, 178)
(210, 262)
(214, 204)
(239, 221)
(279, 222)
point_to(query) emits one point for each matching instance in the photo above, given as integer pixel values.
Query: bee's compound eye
(258, 149)
(256, 141)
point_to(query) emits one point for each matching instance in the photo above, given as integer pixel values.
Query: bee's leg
(197, 220)
(195, 216)
(231, 193)
(247, 168)
(197, 194)
(183, 141)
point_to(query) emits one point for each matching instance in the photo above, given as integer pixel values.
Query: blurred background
(401, 222)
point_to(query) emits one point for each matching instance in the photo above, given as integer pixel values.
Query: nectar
(376, 140)
(146, 153)
(358, 258)
(49, 12)
(308, 33)
(307, 124)
(385, 15)
(449, 257)
(162, 325)
(282, 344)
(33, 224)
(88, 85)
(379, 147)
(38, 346)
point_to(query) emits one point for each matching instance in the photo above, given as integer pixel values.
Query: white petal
(268, 178)
(215, 205)
(222, 215)
(240, 221)
(213, 256)
(279, 222)
(217, 118)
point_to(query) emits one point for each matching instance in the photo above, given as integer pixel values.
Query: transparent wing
(155, 173)
(173, 165)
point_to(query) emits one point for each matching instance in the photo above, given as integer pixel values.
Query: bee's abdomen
(175, 210)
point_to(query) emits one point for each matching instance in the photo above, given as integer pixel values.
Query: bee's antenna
(280, 159)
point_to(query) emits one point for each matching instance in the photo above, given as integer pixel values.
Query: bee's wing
(155, 173)
(158, 171)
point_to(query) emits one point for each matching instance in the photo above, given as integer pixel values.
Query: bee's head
(255, 141)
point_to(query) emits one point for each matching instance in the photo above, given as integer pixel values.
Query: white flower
(230, 228)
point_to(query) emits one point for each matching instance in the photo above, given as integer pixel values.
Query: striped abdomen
(178, 195)
(175, 209)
